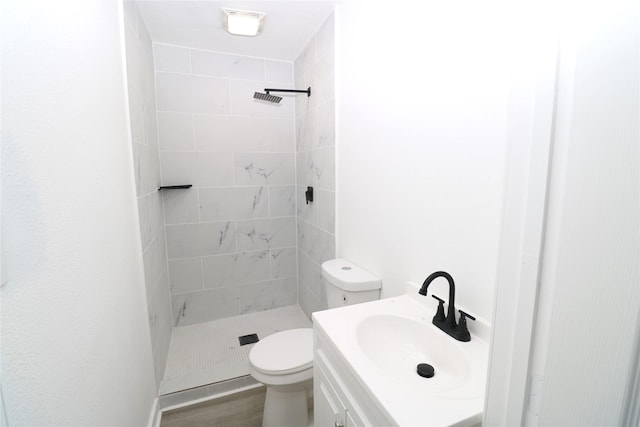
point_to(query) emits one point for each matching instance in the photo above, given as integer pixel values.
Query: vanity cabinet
(329, 410)
(365, 358)
(338, 400)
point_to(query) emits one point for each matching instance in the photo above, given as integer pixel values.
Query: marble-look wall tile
(281, 135)
(266, 233)
(175, 131)
(224, 65)
(156, 213)
(133, 46)
(198, 169)
(204, 306)
(150, 122)
(283, 263)
(324, 39)
(306, 211)
(191, 240)
(185, 275)
(146, 169)
(236, 269)
(303, 103)
(264, 168)
(321, 168)
(230, 133)
(306, 131)
(279, 71)
(301, 168)
(153, 259)
(318, 244)
(326, 203)
(192, 94)
(325, 125)
(180, 206)
(308, 301)
(310, 273)
(306, 59)
(144, 216)
(282, 200)
(159, 310)
(171, 58)
(229, 203)
(323, 75)
(267, 295)
(136, 106)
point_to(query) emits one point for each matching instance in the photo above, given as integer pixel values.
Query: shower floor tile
(207, 353)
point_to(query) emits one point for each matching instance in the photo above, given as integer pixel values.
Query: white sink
(398, 344)
(382, 343)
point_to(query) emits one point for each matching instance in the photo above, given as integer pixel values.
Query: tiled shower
(231, 238)
(242, 239)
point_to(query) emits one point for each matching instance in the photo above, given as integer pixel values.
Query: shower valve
(309, 194)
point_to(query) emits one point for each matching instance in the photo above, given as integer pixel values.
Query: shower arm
(308, 91)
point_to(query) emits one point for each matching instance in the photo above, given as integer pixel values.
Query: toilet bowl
(284, 361)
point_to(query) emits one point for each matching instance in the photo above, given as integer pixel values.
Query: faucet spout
(451, 316)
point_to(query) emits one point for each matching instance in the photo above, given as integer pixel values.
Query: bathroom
(440, 156)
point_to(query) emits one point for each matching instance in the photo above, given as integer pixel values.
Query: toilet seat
(283, 353)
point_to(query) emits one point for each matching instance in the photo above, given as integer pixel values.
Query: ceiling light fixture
(242, 22)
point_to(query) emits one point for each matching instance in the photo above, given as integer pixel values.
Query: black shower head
(267, 97)
(276, 99)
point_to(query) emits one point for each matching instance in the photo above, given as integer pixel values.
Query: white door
(578, 359)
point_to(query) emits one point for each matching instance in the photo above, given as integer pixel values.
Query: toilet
(283, 362)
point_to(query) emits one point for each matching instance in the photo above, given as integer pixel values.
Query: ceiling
(198, 24)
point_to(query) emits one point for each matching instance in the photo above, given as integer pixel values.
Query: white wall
(421, 134)
(75, 338)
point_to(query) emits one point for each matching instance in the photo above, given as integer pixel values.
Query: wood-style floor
(242, 409)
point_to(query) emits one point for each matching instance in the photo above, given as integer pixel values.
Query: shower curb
(206, 392)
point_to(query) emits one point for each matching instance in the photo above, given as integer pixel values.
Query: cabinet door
(328, 410)
(350, 422)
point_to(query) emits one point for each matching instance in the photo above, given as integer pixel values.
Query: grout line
(250, 251)
(226, 115)
(289, 61)
(230, 220)
(199, 206)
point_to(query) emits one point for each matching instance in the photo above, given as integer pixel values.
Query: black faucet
(448, 323)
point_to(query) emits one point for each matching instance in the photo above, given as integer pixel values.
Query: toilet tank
(345, 283)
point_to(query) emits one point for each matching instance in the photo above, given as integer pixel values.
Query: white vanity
(365, 359)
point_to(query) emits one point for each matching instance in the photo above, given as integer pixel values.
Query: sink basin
(397, 344)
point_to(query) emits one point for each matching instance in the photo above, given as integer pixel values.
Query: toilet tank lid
(346, 275)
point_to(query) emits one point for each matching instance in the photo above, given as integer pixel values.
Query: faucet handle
(462, 333)
(439, 317)
(465, 314)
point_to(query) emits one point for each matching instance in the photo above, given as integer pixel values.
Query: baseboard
(155, 415)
